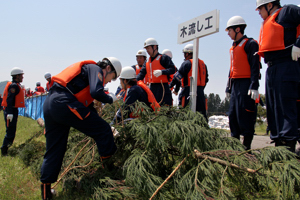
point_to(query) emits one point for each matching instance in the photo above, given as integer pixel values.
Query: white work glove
(228, 95)
(113, 96)
(115, 132)
(254, 94)
(10, 117)
(157, 73)
(295, 53)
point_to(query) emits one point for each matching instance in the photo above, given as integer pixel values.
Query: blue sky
(48, 36)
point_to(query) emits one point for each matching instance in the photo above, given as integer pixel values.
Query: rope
(67, 169)
(163, 92)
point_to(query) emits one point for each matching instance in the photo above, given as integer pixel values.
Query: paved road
(263, 141)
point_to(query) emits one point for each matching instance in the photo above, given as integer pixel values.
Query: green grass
(260, 129)
(16, 179)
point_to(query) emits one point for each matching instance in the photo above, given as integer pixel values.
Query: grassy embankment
(16, 179)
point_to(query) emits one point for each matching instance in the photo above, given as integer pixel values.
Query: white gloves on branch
(295, 53)
(10, 117)
(113, 96)
(115, 132)
(157, 73)
(254, 94)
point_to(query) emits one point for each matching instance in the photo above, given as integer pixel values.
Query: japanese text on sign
(198, 27)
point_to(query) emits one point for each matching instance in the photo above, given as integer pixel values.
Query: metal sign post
(192, 30)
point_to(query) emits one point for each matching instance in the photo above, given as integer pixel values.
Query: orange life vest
(201, 74)
(155, 65)
(151, 99)
(137, 71)
(71, 72)
(40, 89)
(19, 98)
(28, 93)
(49, 85)
(271, 36)
(239, 65)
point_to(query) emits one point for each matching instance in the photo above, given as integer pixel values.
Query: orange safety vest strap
(73, 110)
(183, 101)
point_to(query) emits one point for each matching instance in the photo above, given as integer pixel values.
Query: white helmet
(188, 48)
(115, 63)
(167, 52)
(235, 21)
(47, 75)
(149, 42)
(27, 89)
(141, 53)
(128, 73)
(263, 2)
(38, 83)
(16, 71)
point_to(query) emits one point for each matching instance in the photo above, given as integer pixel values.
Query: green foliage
(216, 106)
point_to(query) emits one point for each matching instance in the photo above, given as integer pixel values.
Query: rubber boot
(247, 141)
(290, 144)
(4, 151)
(46, 191)
(107, 163)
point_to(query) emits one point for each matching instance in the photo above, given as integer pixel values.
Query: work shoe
(4, 151)
(290, 144)
(46, 191)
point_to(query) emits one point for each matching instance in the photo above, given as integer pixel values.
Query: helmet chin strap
(235, 34)
(153, 51)
(267, 8)
(125, 84)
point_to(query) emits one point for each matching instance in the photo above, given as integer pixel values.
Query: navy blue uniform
(158, 91)
(282, 80)
(13, 90)
(242, 109)
(1, 103)
(59, 118)
(134, 93)
(184, 95)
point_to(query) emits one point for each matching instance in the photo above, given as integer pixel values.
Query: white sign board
(198, 27)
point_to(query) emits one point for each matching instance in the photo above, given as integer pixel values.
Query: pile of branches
(173, 154)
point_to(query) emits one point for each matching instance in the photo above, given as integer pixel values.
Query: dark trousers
(282, 81)
(242, 111)
(184, 99)
(60, 114)
(162, 93)
(11, 128)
